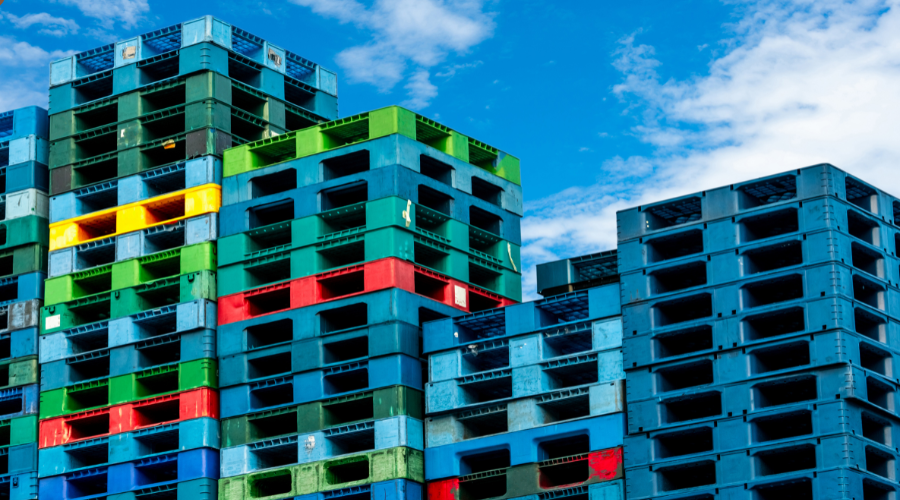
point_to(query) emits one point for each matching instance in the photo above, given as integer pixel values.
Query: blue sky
(608, 104)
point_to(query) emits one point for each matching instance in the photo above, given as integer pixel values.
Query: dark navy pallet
(19, 401)
(551, 314)
(549, 409)
(22, 122)
(314, 385)
(523, 447)
(396, 489)
(354, 344)
(159, 470)
(197, 489)
(22, 288)
(390, 151)
(381, 307)
(129, 446)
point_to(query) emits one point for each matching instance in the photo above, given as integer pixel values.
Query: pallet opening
(868, 292)
(673, 213)
(687, 442)
(677, 278)
(86, 485)
(488, 390)
(349, 411)
(880, 394)
(484, 277)
(272, 483)
(479, 358)
(435, 169)
(485, 424)
(96, 454)
(563, 472)
(10, 406)
(430, 287)
(352, 442)
(872, 490)
(158, 442)
(342, 196)
(342, 284)
(876, 360)
(780, 357)
(435, 200)
(773, 324)
(877, 429)
(274, 395)
(95, 146)
(157, 472)
(278, 182)
(487, 191)
(559, 410)
(786, 391)
(782, 426)
(485, 220)
(863, 228)
(346, 164)
(781, 289)
(156, 297)
(432, 257)
(479, 302)
(347, 381)
(773, 257)
(147, 415)
(870, 325)
(157, 155)
(788, 459)
(569, 340)
(269, 302)
(683, 310)
(341, 255)
(153, 269)
(355, 469)
(88, 427)
(880, 463)
(266, 334)
(769, 225)
(766, 192)
(271, 213)
(87, 398)
(564, 447)
(164, 237)
(482, 487)
(687, 476)
(163, 353)
(277, 456)
(272, 426)
(163, 98)
(268, 366)
(675, 246)
(93, 118)
(344, 318)
(97, 200)
(94, 367)
(269, 272)
(692, 407)
(687, 375)
(346, 350)
(166, 210)
(485, 461)
(157, 384)
(867, 260)
(861, 195)
(695, 339)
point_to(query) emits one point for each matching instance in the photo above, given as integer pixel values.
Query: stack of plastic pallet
(761, 336)
(129, 398)
(338, 242)
(527, 402)
(23, 267)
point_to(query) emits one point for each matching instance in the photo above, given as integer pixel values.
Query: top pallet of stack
(364, 127)
(738, 200)
(577, 273)
(23, 122)
(178, 50)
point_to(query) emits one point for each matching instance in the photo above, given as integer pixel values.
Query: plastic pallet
(197, 489)
(129, 446)
(127, 359)
(129, 417)
(23, 231)
(129, 301)
(396, 489)
(19, 458)
(547, 410)
(131, 273)
(148, 325)
(577, 273)
(23, 203)
(356, 408)
(22, 430)
(18, 371)
(550, 315)
(323, 445)
(134, 188)
(30, 148)
(360, 344)
(366, 126)
(157, 381)
(326, 475)
(22, 486)
(25, 175)
(524, 447)
(390, 242)
(526, 349)
(765, 428)
(354, 280)
(24, 259)
(159, 470)
(278, 200)
(20, 315)
(22, 122)
(18, 343)
(22, 288)
(331, 318)
(327, 383)
(190, 231)
(355, 161)
(19, 401)
(497, 385)
(610, 490)
(540, 478)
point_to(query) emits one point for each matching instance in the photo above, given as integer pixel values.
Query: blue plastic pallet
(197, 489)
(22, 122)
(526, 446)
(127, 246)
(498, 385)
(393, 150)
(568, 275)
(762, 394)
(310, 386)
(355, 344)
(19, 458)
(765, 462)
(22, 288)
(129, 446)
(146, 325)
(369, 185)
(323, 445)
(184, 61)
(756, 195)
(138, 187)
(19, 343)
(131, 358)
(19, 401)
(22, 486)
(551, 313)
(397, 489)
(777, 426)
(549, 409)
(375, 308)
(30, 174)
(791, 355)
(526, 349)
(612, 490)
(24, 150)
(159, 470)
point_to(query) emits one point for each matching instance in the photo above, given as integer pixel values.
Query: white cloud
(801, 82)
(54, 26)
(22, 54)
(420, 90)
(120, 13)
(420, 33)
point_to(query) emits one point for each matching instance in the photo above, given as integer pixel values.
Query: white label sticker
(51, 322)
(460, 296)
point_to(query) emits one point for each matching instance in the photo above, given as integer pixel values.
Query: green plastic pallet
(364, 127)
(130, 273)
(157, 381)
(22, 430)
(23, 259)
(128, 301)
(326, 475)
(312, 417)
(18, 371)
(27, 230)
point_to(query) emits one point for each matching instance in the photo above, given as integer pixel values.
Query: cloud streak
(124, 14)
(51, 25)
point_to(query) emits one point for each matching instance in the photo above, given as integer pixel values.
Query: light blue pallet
(23, 287)
(20, 458)
(138, 187)
(322, 445)
(126, 447)
(19, 401)
(22, 122)
(22, 486)
(21, 342)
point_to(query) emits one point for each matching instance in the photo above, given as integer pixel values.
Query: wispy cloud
(15, 53)
(800, 82)
(50, 25)
(408, 38)
(125, 14)
(24, 81)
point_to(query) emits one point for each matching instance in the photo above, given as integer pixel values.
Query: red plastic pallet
(203, 402)
(356, 280)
